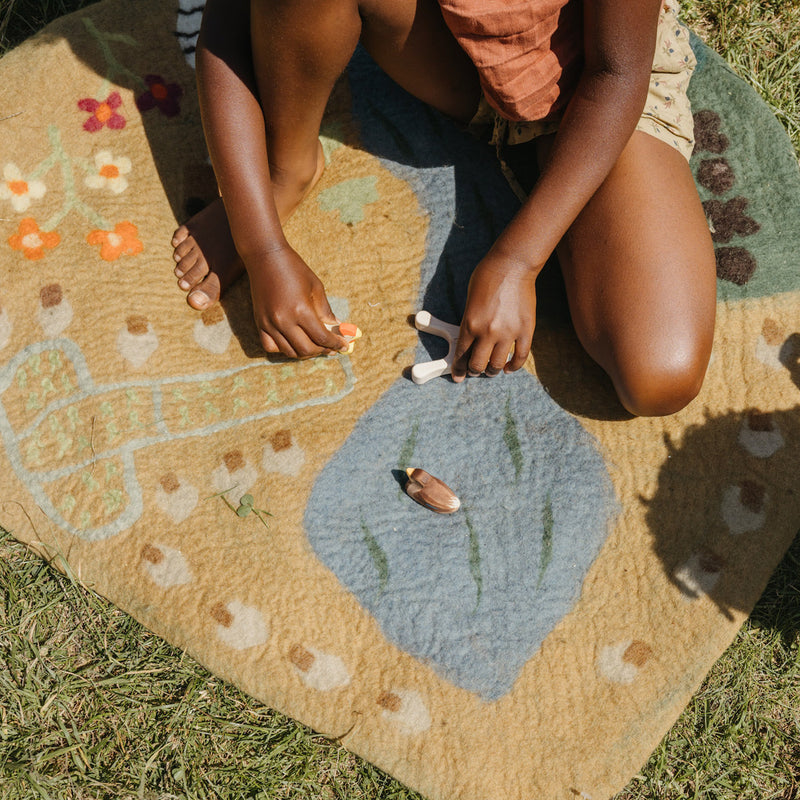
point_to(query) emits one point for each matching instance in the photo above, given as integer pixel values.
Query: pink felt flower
(161, 95)
(103, 113)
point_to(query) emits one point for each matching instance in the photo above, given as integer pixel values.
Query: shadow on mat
(715, 517)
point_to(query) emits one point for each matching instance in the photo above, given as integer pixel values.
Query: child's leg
(640, 274)
(236, 127)
(299, 48)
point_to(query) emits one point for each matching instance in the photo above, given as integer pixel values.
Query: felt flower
(161, 95)
(123, 240)
(32, 241)
(19, 191)
(103, 113)
(110, 172)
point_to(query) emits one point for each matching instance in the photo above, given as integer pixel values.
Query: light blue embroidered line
(87, 389)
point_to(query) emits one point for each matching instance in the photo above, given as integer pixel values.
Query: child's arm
(619, 40)
(291, 308)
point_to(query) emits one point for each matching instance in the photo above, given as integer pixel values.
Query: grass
(760, 39)
(93, 706)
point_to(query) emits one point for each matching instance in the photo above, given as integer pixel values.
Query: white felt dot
(288, 461)
(737, 516)
(768, 354)
(214, 338)
(761, 444)
(412, 717)
(178, 504)
(612, 665)
(234, 483)
(171, 570)
(137, 348)
(248, 627)
(55, 319)
(326, 673)
(694, 577)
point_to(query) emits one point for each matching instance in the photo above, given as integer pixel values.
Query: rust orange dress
(528, 53)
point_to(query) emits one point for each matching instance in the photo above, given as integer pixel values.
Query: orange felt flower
(123, 240)
(32, 241)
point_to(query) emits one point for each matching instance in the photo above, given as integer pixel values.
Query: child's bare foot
(207, 261)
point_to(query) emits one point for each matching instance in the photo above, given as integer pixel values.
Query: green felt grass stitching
(547, 539)
(512, 441)
(474, 557)
(378, 556)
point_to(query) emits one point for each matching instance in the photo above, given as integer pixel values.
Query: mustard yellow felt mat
(539, 642)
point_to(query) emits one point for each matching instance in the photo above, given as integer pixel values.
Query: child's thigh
(640, 273)
(412, 44)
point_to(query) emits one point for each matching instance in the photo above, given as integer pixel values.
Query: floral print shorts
(667, 113)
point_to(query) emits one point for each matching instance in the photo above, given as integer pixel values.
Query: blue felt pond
(472, 594)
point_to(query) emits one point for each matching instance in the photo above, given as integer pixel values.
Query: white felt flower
(18, 190)
(110, 172)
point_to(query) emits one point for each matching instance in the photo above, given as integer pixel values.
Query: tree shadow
(726, 507)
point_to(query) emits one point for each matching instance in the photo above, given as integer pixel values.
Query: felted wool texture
(539, 642)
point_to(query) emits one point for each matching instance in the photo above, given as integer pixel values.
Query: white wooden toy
(425, 370)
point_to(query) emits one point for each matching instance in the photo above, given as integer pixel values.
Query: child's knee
(653, 384)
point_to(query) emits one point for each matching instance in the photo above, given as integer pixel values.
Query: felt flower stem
(115, 69)
(71, 199)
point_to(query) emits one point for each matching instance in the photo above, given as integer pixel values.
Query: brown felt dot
(389, 701)
(152, 554)
(221, 614)
(707, 134)
(735, 264)
(711, 562)
(170, 483)
(728, 219)
(716, 175)
(301, 658)
(752, 495)
(233, 460)
(759, 421)
(212, 315)
(638, 654)
(51, 295)
(281, 440)
(773, 332)
(137, 324)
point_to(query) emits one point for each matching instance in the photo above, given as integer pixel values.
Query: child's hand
(500, 315)
(290, 306)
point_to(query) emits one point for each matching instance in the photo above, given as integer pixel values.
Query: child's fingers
(322, 335)
(480, 354)
(521, 350)
(268, 343)
(276, 342)
(458, 369)
(499, 358)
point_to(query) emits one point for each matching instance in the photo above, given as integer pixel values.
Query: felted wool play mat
(536, 644)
